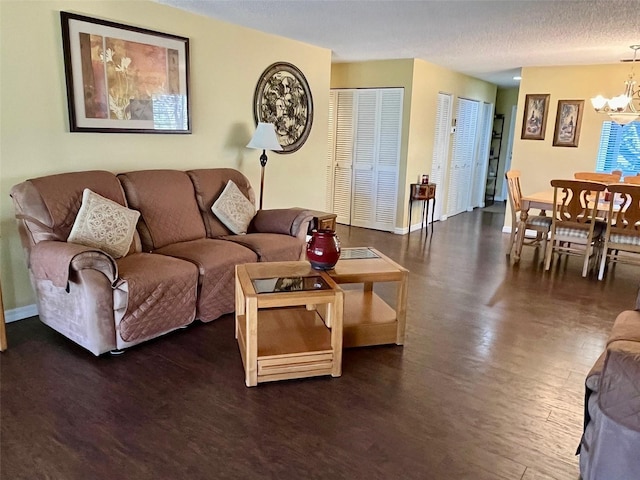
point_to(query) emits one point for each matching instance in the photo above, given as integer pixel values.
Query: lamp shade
(265, 138)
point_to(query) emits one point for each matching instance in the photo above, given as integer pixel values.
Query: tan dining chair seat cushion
(582, 233)
(539, 221)
(104, 224)
(624, 239)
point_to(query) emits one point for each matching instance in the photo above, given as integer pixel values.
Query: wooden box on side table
(288, 321)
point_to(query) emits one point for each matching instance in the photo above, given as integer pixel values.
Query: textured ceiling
(488, 39)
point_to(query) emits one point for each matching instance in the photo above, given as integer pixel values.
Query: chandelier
(621, 109)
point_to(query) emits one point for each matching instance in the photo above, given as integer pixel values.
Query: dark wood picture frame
(568, 122)
(283, 97)
(534, 120)
(124, 79)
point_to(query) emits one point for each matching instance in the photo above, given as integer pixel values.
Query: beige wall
(428, 81)
(538, 160)
(383, 74)
(422, 82)
(506, 98)
(226, 61)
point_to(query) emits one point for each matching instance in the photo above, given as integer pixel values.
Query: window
(619, 148)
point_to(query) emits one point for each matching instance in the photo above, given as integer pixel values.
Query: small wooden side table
(288, 321)
(423, 192)
(322, 221)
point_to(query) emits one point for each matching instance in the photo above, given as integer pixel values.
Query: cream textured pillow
(234, 209)
(104, 224)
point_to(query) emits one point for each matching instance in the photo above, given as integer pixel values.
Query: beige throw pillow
(234, 209)
(104, 224)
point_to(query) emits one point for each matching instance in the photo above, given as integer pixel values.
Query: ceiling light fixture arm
(621, 109)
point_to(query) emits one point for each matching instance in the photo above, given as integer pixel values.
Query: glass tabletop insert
(289, 284)
(357, 253)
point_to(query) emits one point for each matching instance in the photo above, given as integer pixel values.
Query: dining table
(543, 201)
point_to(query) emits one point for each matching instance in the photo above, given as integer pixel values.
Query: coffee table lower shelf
(368, 320)
(292, 343)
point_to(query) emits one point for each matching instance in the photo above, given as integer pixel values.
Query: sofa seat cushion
(216, 261)
(156, 294)
(270, 247)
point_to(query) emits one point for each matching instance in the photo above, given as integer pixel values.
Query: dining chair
(635, 179)
(575, 229)
(538, 223)
(623, 227)
(612, 177)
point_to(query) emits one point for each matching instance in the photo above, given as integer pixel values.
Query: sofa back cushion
(209, 184)
(48, 206)
(167, 205)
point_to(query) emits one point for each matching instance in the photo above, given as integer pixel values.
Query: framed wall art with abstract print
(534, 121)
(124, 79)
(568, 121)
(283, 97)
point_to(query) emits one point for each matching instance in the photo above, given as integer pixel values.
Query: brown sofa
(180, 265)
(610, 445)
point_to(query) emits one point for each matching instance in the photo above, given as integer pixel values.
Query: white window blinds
(619, 148)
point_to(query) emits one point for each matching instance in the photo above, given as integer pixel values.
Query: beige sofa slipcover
(179, 267)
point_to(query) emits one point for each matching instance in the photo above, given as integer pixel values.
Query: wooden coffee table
(288, 321)
(369, 320)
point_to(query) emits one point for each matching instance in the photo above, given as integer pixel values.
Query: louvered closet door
(388, 162)
(462, 157)
(441, 149)
(331, 152)
(364, 159)
(485, 127)
(344, 106)
(376, 158)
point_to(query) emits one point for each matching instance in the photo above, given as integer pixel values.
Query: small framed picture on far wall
(424, 180)
(568, 121)
(534, 122)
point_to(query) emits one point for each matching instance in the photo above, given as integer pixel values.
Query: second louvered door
(364, 154)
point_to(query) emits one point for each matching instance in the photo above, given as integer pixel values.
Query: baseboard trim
(413, 228)
(20, 313)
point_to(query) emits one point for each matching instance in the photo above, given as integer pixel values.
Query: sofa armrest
(287, 221)
(53, 260)
(619, 389)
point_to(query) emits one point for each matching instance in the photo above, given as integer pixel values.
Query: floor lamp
(264, 139)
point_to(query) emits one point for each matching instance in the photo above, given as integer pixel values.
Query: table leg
(426, 216)
(410, 205)
(337, 311)
(522, 226)
(433, 212)
(401, 307)
(251, 354)
(422, 217)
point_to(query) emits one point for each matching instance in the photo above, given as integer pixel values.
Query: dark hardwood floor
(489, 384)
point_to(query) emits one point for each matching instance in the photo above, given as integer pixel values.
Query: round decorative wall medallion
(283, 98)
